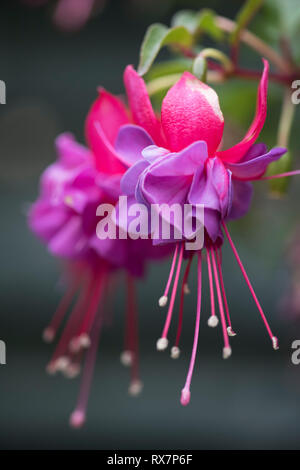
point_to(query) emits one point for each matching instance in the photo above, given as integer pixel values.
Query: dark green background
(250, 401)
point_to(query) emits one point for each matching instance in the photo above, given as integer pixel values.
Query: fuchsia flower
(64, 217)
(178, 160)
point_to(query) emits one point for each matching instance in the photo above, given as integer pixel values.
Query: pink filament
(182, 295)
(219, 261)
(220, 302)
(280, 175)
(90, 314)
(211, 285)
(78, 416)
(248, 281)
(62, 308)
(171, 272)
(173, 296)
(185, 393)
(72, 323)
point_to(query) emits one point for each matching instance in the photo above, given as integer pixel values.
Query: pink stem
(185, 393)
(89, 315)
(223, 288)
(51, 330)
(78, 415)
(173, 296)
(72, 323)
(222, 314)
(171, 271)
(182, 295)
(211, 285)
(248, 281)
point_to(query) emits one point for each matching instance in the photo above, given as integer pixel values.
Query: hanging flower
(64, 217)
(177, 160)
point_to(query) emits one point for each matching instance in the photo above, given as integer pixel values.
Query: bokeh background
(251, 401)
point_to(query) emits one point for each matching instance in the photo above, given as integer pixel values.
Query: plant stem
(257, 44)
(286, 120)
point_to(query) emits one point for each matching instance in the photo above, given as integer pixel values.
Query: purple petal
(130, 179)
(69, 240)
(111, 185)
(130, 142)
(212, 221)
(184, 163)
(241, 199)
(71, 154)
(153, 152)
(253, 166)
(45, 220)
(203, 191)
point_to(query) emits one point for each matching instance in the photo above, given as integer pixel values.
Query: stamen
(135, 388)
(273, 338)
(213, 320)
(126, 358)
(77, 418)
(162, 343)
(175, 351)
(186, 289)
(219, 262)
(185, 393)
(164, 298)
(50, 331)
(82, 338)
(226, 349)
(70, 328)
(72, 371)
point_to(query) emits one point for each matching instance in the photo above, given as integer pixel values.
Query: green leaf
(199, 21)
(157, 36)
(244, 16)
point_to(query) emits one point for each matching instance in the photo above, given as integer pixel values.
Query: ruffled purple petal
(153, 152)
(203, 190)
(130, 142)
(184, 163)
(71, 153)
(130, 179)
(69, 241)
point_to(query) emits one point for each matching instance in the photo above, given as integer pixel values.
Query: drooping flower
(64, 217)
(178, 160)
